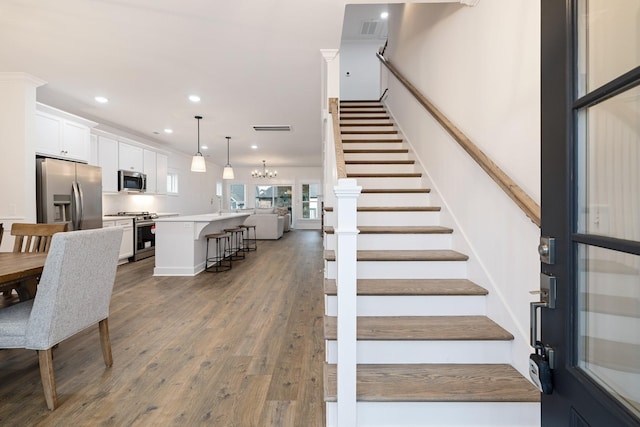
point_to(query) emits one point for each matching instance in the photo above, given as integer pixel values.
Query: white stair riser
(390, 182)
(417, 305)
(376, 156)
(372, 146)
(394, 200)
(405, 270)
(375, 242)
(392, 218)
(364, 122)
(403, 352)
(441, 414)
(382, 168)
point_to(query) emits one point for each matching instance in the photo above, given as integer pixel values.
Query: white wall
(358, 58)
(480, 66)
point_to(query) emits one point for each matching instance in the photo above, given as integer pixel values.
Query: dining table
(17, 268)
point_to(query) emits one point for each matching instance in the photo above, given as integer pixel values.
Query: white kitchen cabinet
(61, 137)
(161, 173)
(126, 245)
(93, 150)
(130, 157)
(150, 171)
(108, 161)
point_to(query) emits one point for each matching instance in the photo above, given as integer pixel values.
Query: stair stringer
(514, 319)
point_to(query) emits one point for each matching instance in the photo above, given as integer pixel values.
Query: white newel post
(346, 232)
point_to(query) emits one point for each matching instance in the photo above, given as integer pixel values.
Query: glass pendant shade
(227, 173)
(197, 161)
(228, 170)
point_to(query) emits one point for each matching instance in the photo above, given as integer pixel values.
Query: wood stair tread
(423, 328)
(428, 229)
(391, 208)
(436, 383)
(375, 151)
(379, 162)
(433, 287)
(369, 140)
(384, 175)
(395, 190)
(362, 110)
(368, 132)
(365, 124)
(418, 255)
(382, 117)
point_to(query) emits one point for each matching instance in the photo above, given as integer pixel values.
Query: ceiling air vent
(368, 28)
(281, 128)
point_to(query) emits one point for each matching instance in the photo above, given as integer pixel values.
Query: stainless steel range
(144, 236)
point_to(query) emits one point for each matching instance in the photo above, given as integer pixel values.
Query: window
(310, 201)
(237, 196)
(268, 196)
(172, 182)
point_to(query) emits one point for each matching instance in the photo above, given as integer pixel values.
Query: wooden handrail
(522, 199)
(334, 110)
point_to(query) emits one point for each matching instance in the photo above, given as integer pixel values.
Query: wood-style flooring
(239, 348)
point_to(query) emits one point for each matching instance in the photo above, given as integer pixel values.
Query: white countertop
(210, 217)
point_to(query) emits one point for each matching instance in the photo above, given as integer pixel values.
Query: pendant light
(197, 161)
(228, 170)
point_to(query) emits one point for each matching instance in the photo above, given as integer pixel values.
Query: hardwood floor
(238, 348)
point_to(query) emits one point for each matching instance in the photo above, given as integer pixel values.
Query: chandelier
(265, 173)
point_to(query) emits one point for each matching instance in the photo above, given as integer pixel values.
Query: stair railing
(517, 194)
(346, 193)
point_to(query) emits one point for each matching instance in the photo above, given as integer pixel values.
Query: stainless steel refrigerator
(69, 192)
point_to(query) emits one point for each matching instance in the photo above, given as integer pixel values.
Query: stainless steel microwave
(133, 182)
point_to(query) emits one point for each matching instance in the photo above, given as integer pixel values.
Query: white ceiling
(252, 62)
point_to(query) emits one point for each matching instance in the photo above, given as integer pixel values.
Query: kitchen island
(180, 243)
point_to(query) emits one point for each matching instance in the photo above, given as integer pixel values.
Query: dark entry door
(591, 206)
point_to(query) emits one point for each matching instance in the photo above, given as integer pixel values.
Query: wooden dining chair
(74, 293)
(32, 238)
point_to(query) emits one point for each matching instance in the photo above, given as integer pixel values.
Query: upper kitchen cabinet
(150, 171)
(108, 161)
(161, 173)
(62, 135)
(131, 157)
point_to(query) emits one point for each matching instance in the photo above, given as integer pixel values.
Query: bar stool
(236, 252)
(220, 261)
(250, 243)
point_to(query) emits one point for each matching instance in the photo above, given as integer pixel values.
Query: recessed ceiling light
(384, 15)
(101, 99)
(254, 147)
(168, 130)
(204, 147)
(194, 98)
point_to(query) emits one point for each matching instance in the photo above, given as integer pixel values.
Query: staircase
(427, 355)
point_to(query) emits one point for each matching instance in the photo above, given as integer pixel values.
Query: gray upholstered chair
(74, 293)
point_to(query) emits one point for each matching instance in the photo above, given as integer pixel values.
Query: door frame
(576, 400)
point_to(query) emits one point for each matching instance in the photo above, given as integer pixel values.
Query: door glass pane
(609, 321)
(609, 41)
(237, 196)
(310, 201)
(608, 172)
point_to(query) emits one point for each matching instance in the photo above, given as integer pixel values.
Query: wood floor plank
(203, 350)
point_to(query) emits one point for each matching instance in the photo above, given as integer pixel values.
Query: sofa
(269, 224)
